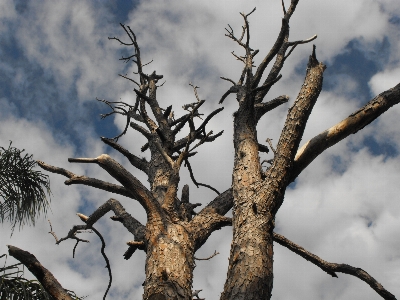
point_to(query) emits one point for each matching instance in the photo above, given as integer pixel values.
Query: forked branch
(130, 182)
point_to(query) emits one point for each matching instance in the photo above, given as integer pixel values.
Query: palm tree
(22, 189)
(22, 199)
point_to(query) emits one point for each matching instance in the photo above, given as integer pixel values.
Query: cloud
(56, 59)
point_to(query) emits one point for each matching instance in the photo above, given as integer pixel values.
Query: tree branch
(129, 222)
(331, 268)
(93, 182)
(139, 163)
(293, 129)
(130, 182)
(278, 43)
(202, 225)
(263, 108)
(352, 124)
(44, 276)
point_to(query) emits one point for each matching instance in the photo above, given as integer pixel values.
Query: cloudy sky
(55, 59)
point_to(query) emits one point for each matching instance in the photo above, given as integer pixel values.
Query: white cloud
(328, 211)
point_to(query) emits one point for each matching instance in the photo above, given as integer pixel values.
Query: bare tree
(173, 231)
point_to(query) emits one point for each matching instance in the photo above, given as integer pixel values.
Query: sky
(56, 58)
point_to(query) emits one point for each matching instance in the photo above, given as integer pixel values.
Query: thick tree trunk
(169, 263)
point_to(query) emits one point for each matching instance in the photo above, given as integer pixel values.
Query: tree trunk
(169, 263)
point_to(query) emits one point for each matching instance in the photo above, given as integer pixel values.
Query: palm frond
(22, 189)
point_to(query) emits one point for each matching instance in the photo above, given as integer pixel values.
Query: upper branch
(331, 268)
(355, 122)
(295, 124)
(278, 43)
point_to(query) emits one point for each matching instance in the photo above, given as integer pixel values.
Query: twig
(208, 258)
(269, 141)
(103, 246)
(187, 164)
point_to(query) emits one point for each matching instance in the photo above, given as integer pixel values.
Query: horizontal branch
(263, 108)
(331, 268)
(352, 124)
(221, 204)
(203, 225)
(44, 276)
(182, 142)
(93, 182)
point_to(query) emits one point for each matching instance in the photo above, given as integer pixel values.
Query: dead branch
(295, 123)
(263, 108)
(139, 163)
(208, 258)
(121, 215)
(352, 124)
(93, 182)
(187, 164)
(43, 275)
(331, 268)
(103, 246)
(130, 182)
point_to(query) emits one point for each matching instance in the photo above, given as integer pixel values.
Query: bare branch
(232, 89)
(331, 268)
(121, 215)
(130, 182)
(195, 87)
(205, 223)
(293, 129)
(227, 79)
(93, 182)
(103, 246)
(142, 130)
(44, 276)
(283, 7)
(187, 164)
(352, 124)
(182, 123)
(294, 44)
(137, 162)
(130, 79)
(208, 258)
(263, 108)
(221, 204)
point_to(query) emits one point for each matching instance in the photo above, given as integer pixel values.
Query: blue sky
(55, 59)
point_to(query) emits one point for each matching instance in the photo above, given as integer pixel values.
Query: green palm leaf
(22, 189)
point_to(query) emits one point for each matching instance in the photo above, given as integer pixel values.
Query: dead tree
(174, 232)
